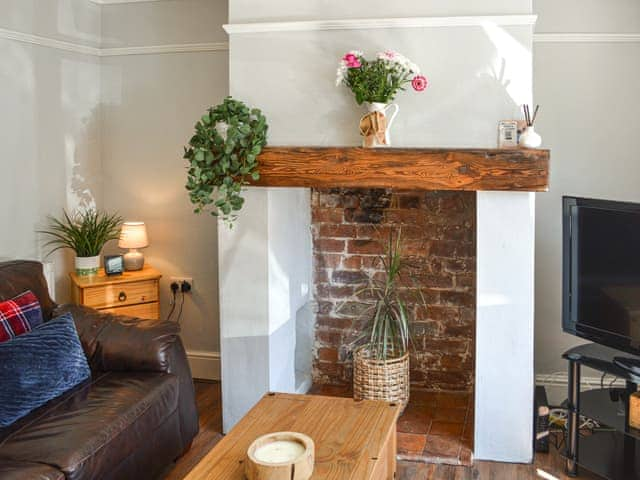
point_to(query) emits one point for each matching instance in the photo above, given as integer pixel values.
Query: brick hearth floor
(436, 427)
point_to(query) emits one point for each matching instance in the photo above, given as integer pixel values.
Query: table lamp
(133, 236)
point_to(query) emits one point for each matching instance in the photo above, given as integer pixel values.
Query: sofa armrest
(122, 343)
(23, 470)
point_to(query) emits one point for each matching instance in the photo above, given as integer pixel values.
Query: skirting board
(556, 385)
(304, 386)
(204, 365)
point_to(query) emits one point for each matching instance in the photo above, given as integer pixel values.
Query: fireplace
(478, 58)
(350, 228)
(290, 256)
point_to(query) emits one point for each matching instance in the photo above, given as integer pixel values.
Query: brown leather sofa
(135, 416)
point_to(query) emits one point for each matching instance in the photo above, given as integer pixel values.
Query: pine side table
(133, 293)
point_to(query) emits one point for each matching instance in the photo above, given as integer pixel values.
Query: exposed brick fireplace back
(350, 230)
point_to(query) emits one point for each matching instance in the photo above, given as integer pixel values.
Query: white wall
(504, 326)
(588, 93)
(50, 123)
(479, 74)
(150, 104)
(468, 95)
(265, 270)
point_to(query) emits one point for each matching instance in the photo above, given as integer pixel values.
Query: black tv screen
(601, 267)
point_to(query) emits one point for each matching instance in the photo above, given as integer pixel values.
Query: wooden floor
(209, 406)
(435, 427)
(209, 399)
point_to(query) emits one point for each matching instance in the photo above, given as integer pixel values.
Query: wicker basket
(386, 380)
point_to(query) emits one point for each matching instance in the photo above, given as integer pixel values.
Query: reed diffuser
(529, 137)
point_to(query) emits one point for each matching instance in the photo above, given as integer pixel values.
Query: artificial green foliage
(377, 81)
(85, 232)
(387, 333)
(220, 165)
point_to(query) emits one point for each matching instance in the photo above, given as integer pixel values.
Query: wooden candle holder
(259, 467)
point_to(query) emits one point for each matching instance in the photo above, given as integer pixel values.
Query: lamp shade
(133, 235)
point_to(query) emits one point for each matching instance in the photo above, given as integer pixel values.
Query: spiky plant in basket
(388, 332)
(381, 362)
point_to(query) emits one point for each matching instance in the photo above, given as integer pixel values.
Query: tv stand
(613, 453)
(632, 365)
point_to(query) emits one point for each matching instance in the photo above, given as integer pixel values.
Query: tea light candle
(280, 451)
(280, 456)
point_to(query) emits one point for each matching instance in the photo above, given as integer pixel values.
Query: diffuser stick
(535, 114)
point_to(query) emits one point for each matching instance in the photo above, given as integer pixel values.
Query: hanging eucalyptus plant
(222, 157)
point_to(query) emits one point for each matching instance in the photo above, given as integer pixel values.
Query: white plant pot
(86, 266)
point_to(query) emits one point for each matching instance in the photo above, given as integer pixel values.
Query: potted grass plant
(381, 361)
(85, 232)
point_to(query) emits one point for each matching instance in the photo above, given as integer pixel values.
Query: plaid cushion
(19, 315)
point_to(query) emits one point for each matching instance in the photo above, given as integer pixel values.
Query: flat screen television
(601, 272)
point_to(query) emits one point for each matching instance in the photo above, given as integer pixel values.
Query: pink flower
(419, 83)
(388, 55)
(351, 60)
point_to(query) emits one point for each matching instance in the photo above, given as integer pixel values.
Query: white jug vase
(385, 109)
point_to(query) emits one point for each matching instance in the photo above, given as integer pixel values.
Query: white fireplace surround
(264, 289)
(480, 73)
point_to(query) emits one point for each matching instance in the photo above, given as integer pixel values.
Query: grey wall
(49, 119)
(55, 153)
(589, 92)
(150, 104)
(76, 21)
(580, 16)
(81, 128)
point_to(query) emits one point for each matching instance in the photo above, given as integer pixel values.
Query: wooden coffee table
(353, 440)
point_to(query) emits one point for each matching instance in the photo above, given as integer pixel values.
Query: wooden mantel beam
(405, 168)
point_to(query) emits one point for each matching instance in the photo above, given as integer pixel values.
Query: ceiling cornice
(376, 23)
(586, 37)
(114, 2)
(48, 42)
(113, 51)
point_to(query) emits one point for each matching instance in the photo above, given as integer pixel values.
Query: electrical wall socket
(179, 280)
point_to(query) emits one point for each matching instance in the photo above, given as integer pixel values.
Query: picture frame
(508, 134)
(113, 264)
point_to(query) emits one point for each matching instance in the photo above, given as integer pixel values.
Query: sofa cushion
(38, 366)
(19, 315)
(87, 434)
(12, 470)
